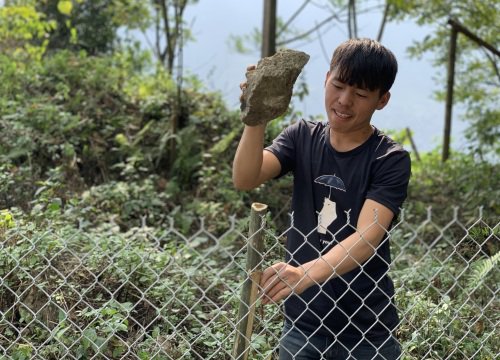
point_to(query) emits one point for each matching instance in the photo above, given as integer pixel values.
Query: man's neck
(343, 142)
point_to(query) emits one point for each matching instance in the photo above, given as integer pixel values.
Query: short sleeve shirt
(329, 190)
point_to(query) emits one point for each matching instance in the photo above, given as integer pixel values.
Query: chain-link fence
(73, 292)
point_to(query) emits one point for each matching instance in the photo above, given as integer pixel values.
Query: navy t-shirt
(329, 189)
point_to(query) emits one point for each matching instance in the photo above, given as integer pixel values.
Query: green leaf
(61, 316)
(118, 351)
(89, 337)
(65, 7)
(223, 144)
(55, 205)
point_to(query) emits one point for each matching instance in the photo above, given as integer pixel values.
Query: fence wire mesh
(100, 293)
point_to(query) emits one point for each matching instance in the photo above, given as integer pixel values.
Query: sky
(221, 68)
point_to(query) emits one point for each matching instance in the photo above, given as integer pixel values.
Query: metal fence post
(246, 312)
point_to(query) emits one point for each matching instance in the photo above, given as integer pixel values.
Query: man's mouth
(341, 114)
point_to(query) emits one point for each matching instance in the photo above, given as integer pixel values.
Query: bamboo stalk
(249, 291)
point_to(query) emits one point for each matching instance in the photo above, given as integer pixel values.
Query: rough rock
(270, 86)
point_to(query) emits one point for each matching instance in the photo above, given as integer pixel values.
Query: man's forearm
(344, 257)
(248, 159)
(281, 279)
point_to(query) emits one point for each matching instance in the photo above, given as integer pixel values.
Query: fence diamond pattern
(102, 293)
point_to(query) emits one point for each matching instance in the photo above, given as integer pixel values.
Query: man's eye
(361, 95)
(337, 86)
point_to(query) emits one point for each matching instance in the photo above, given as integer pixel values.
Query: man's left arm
(281, 279)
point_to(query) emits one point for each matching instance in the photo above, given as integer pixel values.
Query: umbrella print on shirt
(328, 213)
(331, 181)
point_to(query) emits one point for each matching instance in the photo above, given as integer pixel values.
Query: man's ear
(384, 99)
(327, 75)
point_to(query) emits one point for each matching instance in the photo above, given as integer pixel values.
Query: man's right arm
(252, 165)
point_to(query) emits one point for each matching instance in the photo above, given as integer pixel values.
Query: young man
(350, 181)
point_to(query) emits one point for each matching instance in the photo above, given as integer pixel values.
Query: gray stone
(270, 86)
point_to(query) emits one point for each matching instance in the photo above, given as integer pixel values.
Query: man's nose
(345, 98)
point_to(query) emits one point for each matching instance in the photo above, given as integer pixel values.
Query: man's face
(350, 108)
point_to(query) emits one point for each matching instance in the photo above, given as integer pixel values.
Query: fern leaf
(480, 269)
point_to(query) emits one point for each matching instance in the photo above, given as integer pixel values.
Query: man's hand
(244, 85)
(280, 280)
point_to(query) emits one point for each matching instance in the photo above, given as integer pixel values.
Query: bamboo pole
(249, 291)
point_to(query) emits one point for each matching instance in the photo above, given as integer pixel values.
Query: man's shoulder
(386, 146)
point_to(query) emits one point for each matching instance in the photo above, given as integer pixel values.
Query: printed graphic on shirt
(328, 213)
(331, 181)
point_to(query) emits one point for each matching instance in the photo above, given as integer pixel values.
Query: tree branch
(323, 50)
(307, 33)
(349, 19)
(170, 42)
(295, 14)
(493, 64)
(459, 27)
(157, 33)
(384, 20)
(354, 19)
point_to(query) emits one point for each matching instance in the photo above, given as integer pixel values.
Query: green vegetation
(102, 246)
(477, 77)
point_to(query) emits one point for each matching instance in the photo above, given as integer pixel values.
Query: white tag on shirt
(327, 215)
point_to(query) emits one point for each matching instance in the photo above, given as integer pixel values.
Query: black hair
(365, 63)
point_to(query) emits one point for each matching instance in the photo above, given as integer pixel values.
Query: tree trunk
(269, 29)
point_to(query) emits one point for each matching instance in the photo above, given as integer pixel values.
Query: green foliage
(462, 182)
(439, 307)
(150, 276)
(23, 32)
(78, 117)
(477, 80)
(480, 270)
(113, 283)
(86, 26)
(92, 25)
(126, 203)
(63, 115)
(6, 220)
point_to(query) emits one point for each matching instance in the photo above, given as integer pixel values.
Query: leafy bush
(462, 182)
(156, 293)
(446, 300)
(116, 286)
